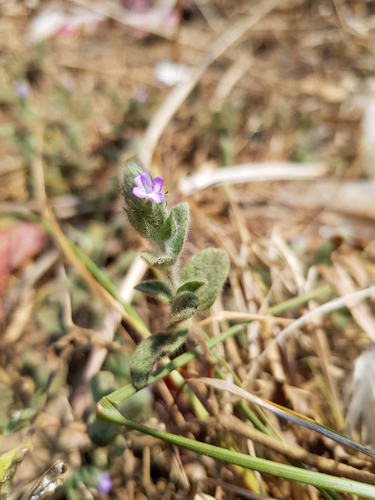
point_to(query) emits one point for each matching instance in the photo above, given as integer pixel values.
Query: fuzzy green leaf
(184, 307)
(179, 226)
(150, 220)
(179, 318)
(156, 289)
(160, 262)
(191, 286)
(149, 352)
(211, 265)
(185, 300)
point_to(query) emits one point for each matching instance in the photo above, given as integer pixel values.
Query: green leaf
(156, 289)
(8, 467)
(179, 318)
(150, 351)
(183, 308)
(185, 300)
(211, 265)
(128, 390)
(179, 225)
(191, 286)
(160, 262)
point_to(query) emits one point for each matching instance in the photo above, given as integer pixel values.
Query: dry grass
(269, 82)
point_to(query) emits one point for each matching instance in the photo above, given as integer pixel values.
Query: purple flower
(22, 89)
(147, 190)
(104, 483)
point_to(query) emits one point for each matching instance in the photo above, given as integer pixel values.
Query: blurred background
(262, 116)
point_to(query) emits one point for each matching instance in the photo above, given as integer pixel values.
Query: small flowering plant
(192, 289)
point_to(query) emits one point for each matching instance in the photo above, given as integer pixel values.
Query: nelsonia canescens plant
(192, 289)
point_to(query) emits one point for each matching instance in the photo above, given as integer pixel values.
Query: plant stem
(108, 412)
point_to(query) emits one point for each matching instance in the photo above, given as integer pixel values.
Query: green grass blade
(107, 411)
(320, 292)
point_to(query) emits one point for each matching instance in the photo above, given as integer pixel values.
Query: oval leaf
(156, 289)
(185, 300)
(150, 351)
(161, 262)
(191, 286)
(211, 265)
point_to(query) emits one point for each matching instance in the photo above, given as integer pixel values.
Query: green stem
(107, 411)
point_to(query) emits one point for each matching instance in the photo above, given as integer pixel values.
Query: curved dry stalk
(251, 172)
(328, 307)
(284, 413)
(244, 316)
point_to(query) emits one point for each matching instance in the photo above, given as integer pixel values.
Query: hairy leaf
(184, 307)
(211, 265)
(179, 317)
(185, 300)
(191, 286)
(150, 351)
(156, 289)
(160, 262)
(179, 226)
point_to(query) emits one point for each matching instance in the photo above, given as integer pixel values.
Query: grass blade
(107, 411)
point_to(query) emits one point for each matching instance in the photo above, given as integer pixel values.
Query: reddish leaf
(19, 242)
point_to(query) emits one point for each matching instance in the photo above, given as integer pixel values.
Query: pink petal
(138, 181)
(155, 197)
(139, 193)
(157, 184)
(146, 182)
